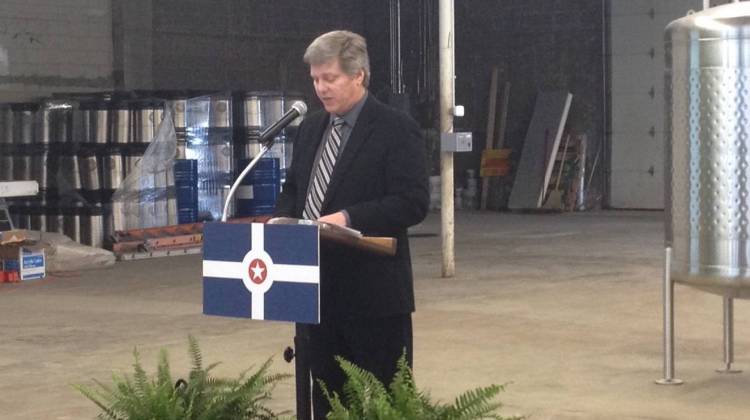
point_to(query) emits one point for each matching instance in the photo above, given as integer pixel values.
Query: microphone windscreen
(300, 107)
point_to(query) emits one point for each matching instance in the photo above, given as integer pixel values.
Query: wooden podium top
(344, 235)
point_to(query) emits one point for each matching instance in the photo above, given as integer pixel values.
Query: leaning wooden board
(539, 150)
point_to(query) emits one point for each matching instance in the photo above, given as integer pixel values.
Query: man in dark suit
(361, 164)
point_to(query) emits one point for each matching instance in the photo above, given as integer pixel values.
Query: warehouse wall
(51, 46)
(539, 45)
(132, 43)
(249, 45)
(48, 46)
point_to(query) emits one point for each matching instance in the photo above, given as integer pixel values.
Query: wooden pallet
(165, 241)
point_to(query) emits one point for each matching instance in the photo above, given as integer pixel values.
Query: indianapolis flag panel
(266, 272)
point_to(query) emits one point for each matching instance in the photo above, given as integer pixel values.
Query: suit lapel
(361, 132)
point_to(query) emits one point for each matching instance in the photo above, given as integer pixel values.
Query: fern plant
(366, 398)
(200, 397)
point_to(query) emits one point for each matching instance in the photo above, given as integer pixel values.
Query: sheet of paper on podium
(264, 272)
(344, 235)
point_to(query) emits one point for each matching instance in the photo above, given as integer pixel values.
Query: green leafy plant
(200, 397)
(366, 398)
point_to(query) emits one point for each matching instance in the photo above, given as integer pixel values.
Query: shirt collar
(351, 116)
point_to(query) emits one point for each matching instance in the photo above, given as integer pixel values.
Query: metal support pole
(728, 337)
(668, 291)
(303, 380)
(447, 103)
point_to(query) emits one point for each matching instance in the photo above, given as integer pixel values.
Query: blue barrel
(186, 190)
(257, 194)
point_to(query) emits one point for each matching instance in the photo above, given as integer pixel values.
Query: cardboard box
(13, 236)
(28, 260)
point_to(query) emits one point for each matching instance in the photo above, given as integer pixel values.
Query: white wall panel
(637, 104)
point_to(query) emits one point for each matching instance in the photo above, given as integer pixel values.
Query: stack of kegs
(257, 112)
(82, 148)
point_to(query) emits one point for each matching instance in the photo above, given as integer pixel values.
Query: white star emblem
(257, 270)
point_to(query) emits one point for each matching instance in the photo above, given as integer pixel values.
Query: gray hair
(349, 48)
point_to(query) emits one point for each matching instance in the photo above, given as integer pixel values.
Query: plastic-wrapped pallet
(145, 198)
(209, 141)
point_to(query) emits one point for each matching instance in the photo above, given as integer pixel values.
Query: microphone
(298, 109)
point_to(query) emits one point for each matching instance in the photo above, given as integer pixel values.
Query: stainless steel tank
(707, 87)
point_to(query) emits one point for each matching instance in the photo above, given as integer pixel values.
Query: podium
(272, 272)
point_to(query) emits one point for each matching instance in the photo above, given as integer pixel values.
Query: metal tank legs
(728, 337)
(668, 314)
(668, 292)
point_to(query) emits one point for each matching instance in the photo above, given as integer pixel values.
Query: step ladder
(6, 223)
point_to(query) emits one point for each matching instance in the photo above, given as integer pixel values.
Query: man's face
(337, 90)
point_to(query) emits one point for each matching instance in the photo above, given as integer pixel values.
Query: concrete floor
(564, 308)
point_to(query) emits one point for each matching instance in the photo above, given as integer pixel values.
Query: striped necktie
(327, 161)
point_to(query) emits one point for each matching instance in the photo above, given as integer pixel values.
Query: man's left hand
(337, 218)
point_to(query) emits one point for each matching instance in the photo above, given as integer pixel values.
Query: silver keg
(252, 112)
(112, 169)
(6, 167)
(131, 160)
(178, 107)
(118, 219)
(22, 165)
(708, 149)
(92, 226)
(220, 112)
(121, 123)
(148, 116)
(24, 122)
(72, 221)
(40, 169)
(44, 134)
(90, 175)
(61, 125)
(96, 118)
(261, 109)
(70, 171)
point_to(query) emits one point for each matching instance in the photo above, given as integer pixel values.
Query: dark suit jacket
(380, 179)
